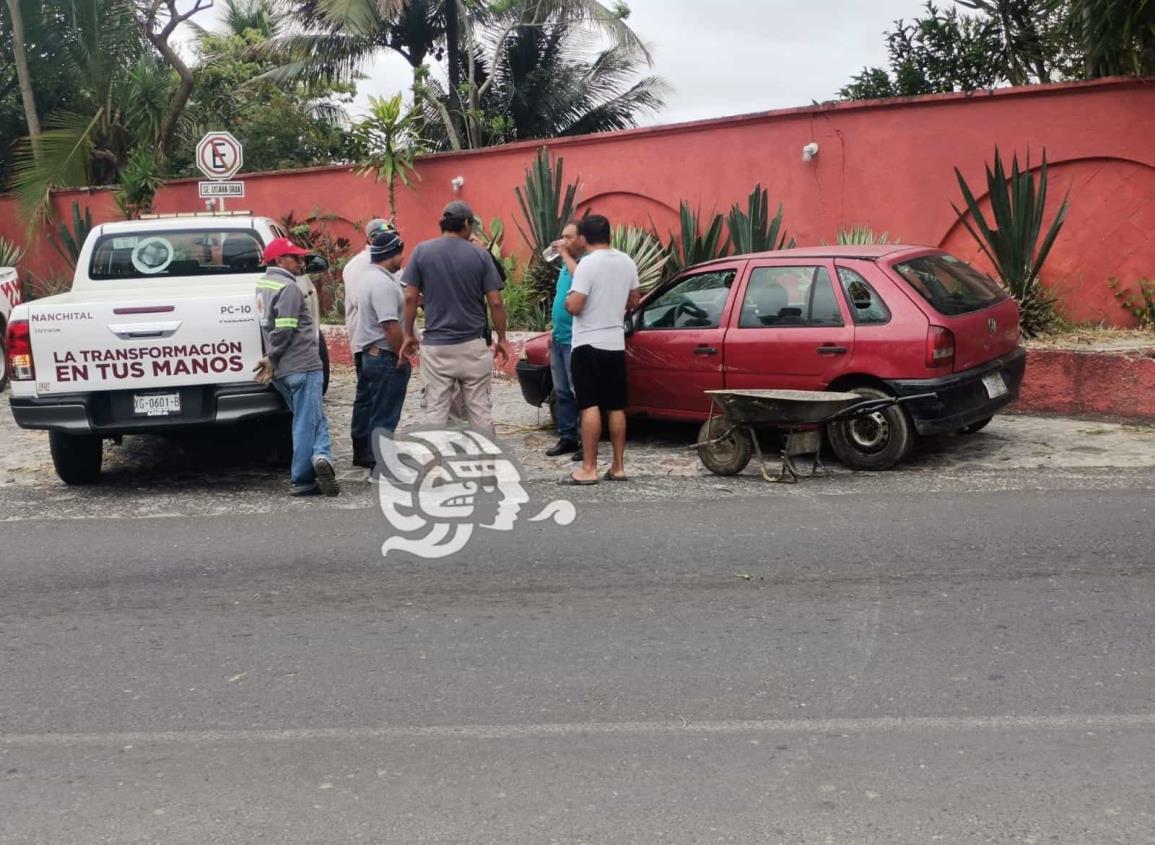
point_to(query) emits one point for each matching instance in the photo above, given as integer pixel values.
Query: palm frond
(62, 159)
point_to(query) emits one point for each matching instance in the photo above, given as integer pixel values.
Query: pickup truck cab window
(175, 253)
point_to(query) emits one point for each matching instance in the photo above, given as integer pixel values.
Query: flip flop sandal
(610, 477)
(570, 481)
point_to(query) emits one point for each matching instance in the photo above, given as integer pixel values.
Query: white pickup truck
(158, 333)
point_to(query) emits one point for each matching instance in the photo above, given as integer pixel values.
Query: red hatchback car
(877, 320)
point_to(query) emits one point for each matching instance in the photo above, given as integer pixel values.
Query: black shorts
(599, 378)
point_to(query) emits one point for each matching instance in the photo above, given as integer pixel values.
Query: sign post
(219, 156)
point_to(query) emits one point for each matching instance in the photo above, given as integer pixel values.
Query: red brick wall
(886, 164)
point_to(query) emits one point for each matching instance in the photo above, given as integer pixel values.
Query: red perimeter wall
(885, 164)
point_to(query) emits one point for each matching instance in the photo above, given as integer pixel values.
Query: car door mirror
(316, 264)
(630, 323)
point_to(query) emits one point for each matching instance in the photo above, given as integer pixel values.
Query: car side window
(789, 296)
(866, 306)
(696, 302)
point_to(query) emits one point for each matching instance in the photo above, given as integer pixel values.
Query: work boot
(326, 475)
(561, 447)
(363, 453)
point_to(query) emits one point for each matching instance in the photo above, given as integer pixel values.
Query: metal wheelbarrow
(730, 437)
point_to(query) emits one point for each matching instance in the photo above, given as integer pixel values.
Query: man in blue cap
(377, 337)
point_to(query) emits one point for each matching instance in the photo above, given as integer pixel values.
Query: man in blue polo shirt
(569, 438)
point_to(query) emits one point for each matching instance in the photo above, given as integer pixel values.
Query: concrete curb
(1116, 386)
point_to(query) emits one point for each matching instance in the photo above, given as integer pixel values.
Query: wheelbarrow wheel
(722, 448)
(875, 441)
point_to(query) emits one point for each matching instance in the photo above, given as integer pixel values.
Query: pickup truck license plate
(156, 404)
(995, 385)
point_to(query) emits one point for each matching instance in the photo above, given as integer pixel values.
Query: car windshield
(166, 254)
(951, 286)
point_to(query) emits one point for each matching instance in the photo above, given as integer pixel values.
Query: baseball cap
(459, 209)
(385, 244)
(377, 224)
(279, 247)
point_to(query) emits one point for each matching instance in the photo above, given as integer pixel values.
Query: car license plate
(995, 385)
(156, 404)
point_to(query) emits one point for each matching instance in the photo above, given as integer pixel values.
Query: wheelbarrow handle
(870, 406)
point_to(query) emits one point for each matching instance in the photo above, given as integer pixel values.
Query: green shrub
(1140, 303)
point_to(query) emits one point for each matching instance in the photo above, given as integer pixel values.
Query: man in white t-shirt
(605, 286)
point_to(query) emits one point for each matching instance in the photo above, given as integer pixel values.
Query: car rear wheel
(722, 448)
(77, 458)
(875, 441)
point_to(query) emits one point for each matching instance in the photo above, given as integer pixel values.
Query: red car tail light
(939, 348)
(19, 345)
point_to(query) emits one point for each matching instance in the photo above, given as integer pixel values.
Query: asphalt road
(857, 666)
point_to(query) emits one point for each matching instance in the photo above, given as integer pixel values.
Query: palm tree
(340, 36)
(259, 15)
(120, 99)
(23, 75)
(1117, 37)
(544, 88)
(391, 138)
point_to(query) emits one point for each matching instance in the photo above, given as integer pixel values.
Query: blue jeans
(302, 393)
(567, 409)
(380, 395)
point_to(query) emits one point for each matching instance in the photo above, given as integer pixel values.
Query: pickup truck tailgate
(85, 343)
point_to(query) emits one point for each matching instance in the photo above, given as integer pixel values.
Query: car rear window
(191, 252)
(951, 286)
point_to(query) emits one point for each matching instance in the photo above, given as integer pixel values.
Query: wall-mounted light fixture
(457, 182)
(810, 151)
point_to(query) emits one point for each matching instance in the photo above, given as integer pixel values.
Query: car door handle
(831, 349)
(705, 350)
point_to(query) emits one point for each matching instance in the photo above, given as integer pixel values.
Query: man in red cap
(293, 363)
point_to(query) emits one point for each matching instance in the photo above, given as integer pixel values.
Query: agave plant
(695, 243)
(861, 236)
(752, 229)
(1011, 240)
(646, 250)
(10, 254)
(69, 240)
(547, 204)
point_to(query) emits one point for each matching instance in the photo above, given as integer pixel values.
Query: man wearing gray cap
(457, 280)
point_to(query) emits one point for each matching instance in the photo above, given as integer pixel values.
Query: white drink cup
(550, 254)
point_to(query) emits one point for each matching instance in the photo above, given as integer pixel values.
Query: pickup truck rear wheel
(77, 458)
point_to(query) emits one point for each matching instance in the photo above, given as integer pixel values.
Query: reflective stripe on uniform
(286, 322)
(270, 284)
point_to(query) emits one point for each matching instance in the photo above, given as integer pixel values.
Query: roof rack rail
(196, 214)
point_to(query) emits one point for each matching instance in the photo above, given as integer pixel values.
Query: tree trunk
(180, 98)
(20, 55)
(453, 54)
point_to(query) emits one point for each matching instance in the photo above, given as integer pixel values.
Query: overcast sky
(725, 57)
